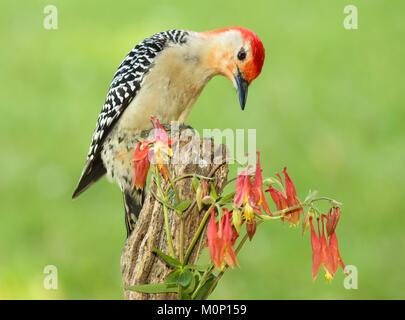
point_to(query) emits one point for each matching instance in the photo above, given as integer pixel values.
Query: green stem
(202, 281)
(333, 201)
(181, 238)
(180, 293)
(191, 175)
(169, 238)
(179, 296)
(281, 213)
(158, 180)
(161, 200)
(200, 242)
(176, 192)
(197, 235)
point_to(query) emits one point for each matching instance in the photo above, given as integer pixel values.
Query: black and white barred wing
(123, 89)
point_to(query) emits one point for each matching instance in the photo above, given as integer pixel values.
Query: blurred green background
(329, 105)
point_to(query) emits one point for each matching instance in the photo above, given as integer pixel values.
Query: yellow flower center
(328, 276)
(249, 213)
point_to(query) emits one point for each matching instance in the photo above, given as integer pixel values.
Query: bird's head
(238, 54)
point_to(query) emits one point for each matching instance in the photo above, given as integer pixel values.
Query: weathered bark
(139, 263)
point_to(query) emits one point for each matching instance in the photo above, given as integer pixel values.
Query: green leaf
(173, 277)
(227, 198)
(196, 182)
(213, 193)
(162, 200)
(311, 195)
(154, 288)
(185, 278)
(181, 277)
(191, 286)
(204, 289)
(197, 267)
(171, 195)
(171, 261)
(182, 206)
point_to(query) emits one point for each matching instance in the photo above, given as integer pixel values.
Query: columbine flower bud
(305, 223)
(208, 200)
(269, 181)
(251, 229)
(202, 191)
(332, 220)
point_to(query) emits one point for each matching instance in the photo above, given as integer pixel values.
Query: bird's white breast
(168, 91)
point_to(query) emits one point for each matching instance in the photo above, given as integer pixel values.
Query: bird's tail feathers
(92, 172)
(133, 202)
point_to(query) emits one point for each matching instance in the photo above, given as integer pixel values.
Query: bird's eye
(242, 54)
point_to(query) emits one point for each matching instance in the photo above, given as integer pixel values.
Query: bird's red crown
(256, 44)
(253, 66)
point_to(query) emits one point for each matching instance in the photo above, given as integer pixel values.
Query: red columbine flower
(324, 254)
(316, 250)
(244, 197)
(257, 189)
(157, 149)
(221, 242)
(242, 187)
(250, 196)
(286, 199)
(161, 147)
(141, 165)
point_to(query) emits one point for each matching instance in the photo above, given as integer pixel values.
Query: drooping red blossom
(243, 188)
(141, 165)
(332, 220)
(257, 189)
(278, 197)
(316, 250)
(213, 241)
(333, 247)
(244, 198)
(286, 199)
(157, 150)
(250, 196)
(221, 242)
(323, 254)
(161, 147)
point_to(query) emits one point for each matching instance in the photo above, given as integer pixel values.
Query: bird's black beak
(242, 85)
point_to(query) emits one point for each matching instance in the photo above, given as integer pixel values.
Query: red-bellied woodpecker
(163, 76)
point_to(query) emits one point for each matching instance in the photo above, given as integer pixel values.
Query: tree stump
(139, 263)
